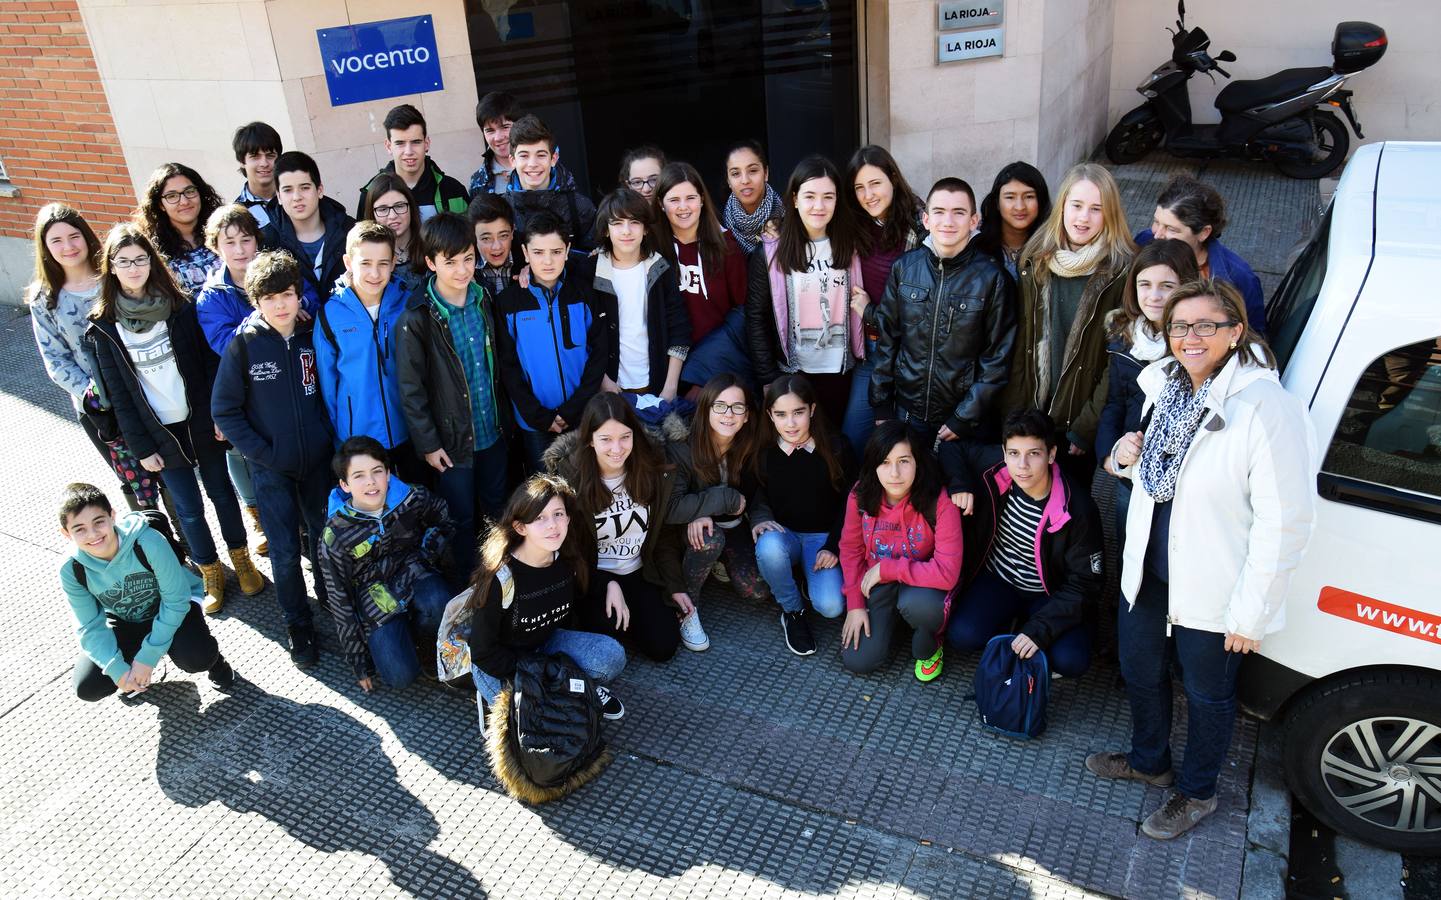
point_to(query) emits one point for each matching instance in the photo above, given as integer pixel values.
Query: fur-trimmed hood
(501, 746)
(557, 457)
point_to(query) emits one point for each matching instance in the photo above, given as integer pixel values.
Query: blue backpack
(1011, 692)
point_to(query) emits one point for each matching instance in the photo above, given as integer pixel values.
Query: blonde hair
(1115, 235)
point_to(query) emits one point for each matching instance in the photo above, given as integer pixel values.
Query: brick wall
(57, 137)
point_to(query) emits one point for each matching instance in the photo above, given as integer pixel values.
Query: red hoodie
(904, 544)
(709, 294)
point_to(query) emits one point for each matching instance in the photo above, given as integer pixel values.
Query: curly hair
(155, 221)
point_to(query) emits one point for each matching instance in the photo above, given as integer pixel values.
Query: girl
(802, 285)
(712, 274)
(622, 483)
(900, 553)
(889, 213)
(1135, 342)
(526, 592)
(390, 202)
(803, 474)
(649, 327)
(753, 204)
(1019, 201)
(65, 287)
(1073, 272)
(158, 374)
(177, 203)
(640, 169)
(714, 475)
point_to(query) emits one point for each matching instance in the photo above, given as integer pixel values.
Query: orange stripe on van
(1412, 623)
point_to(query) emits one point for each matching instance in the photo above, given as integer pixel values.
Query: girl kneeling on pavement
(900, 553)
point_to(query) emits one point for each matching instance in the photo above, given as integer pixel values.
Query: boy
(131, 599)
(941, 364)
(550, 340)
(1038, 543)
(267, 403)
(409, 146)
(535, 184)
(445, 352)
(352, 350)
(310, 225)
(256, 147)
(379, 555)
(221, 305)
(495, 114)
(495, 236)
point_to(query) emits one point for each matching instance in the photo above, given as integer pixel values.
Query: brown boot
(214, 575)
(262, 548)
(251, 581)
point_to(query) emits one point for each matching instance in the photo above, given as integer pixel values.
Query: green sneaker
(929, 669)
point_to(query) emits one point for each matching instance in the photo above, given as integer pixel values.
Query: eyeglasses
(735, 409)
(171, 198)
(394, 209)
(636, 184)
(139, 262)
(1201, 329)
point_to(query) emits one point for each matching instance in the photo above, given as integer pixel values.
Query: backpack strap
(325, 327)
(144, 561)
(507, 586)
(79, 572)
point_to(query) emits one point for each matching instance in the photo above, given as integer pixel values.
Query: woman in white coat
(1221, 512)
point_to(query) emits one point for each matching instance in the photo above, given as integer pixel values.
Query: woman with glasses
(389, 202)
(176, 204)
(1220, 515)
(640, 169)
(715, 476)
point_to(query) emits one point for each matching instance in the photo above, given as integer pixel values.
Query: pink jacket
(904, 544)
(783, 309)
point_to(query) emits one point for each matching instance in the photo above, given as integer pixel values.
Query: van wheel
(1330, 143)
(1364, 756)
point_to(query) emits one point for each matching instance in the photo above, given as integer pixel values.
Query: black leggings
(654, 629)
(193, 649)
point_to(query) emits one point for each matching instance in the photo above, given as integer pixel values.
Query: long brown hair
(155, 221)
(127, 234)
(741, 453)
(1229, 301)
(1175, 255)
(643, 467)
(526, 504)
(801, 386)
(709, 236)
(49, 274)
(904, 216)
(383, 184)
(793, 251)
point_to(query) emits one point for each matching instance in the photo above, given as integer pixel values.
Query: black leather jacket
(946, 331)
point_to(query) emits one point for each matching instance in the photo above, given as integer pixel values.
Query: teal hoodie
(126, 590)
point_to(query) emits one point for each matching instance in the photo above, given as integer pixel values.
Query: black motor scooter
(1275, 118)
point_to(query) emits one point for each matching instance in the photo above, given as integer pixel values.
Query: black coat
(143, 432)
(280, 235)
(667, 321)
(946, 330)
(1124, 397)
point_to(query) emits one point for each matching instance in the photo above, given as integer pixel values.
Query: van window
(1291, 305)
(1390, 434)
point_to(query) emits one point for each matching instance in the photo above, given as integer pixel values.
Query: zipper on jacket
(146, 401)
(460, 370)
(380, 354)
(553, 307)
(935, 321)
(295, 407)
(1065, 368)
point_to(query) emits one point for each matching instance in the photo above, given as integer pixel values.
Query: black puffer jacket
(946, 331)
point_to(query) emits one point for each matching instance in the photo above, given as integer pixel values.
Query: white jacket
(1244, 504)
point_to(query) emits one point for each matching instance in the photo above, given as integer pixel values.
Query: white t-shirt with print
(620, 530)
(160, 380)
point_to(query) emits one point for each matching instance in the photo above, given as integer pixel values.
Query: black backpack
(156, 520)
(544, 733)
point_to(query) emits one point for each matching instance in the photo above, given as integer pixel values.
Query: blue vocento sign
(375, 60)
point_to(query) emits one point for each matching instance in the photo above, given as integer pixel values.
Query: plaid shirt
(470, 336)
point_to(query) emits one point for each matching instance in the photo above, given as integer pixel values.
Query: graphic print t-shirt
(160, 380)
(819, 302)
(620, 530)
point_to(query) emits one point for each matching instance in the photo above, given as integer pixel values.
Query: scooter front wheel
(1331, 143)
(1138, 133)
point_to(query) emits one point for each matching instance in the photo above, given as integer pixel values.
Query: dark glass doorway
(687, 75)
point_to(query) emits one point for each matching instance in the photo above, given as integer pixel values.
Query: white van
(1356, 673)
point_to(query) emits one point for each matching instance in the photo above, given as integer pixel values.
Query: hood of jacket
(339, 504)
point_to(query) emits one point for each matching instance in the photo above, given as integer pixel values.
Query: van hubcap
(1387, 771)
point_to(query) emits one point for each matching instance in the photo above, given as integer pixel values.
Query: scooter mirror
(1181, 11)
(1226, 56)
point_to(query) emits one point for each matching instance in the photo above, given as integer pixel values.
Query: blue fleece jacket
(129, 591)
(222, 305)
(356, 359)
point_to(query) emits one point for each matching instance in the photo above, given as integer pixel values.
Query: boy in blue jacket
(550, 340)
(355, 349)
(131, 599)
(267, 402)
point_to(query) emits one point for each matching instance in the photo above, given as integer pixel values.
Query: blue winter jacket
(1227, 266)
(222, 305)
(356, 359)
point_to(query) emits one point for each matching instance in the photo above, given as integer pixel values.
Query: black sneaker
(798, 634)
(610, 705)
(303, 651)
(222, 676)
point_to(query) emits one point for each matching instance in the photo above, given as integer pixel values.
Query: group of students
(845, 396)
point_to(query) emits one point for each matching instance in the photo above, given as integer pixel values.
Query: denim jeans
(185, 494)
(392, 645)
(286, 504)
(471, 486)
(600, 656)
(860, 418)
(1208, 675)
(723, 350)
(989, 606)
(928, 433)
(240, 476)
(778, 553)
(533, 445)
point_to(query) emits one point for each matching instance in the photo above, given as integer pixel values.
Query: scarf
(1074, 263)
(746, 227)
(1174, 421)
(140, 314)
(1147, 344)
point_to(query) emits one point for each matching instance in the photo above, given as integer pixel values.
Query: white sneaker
(692, 635)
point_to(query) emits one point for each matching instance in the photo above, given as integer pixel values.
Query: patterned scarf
(746, 227)
(139, 314)
(1174, 421)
